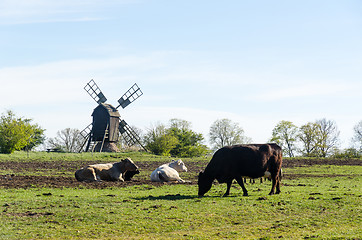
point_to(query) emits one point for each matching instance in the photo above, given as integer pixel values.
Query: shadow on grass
(168, 197)
(182, 197)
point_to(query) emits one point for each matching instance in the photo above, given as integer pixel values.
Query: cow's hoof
(245, 194)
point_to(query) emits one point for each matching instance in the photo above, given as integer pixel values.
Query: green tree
(308, 136)
(158, 141)
(17, 133)
(189, 142)
(327, 136)
(37, 136)
(285, 134)
(176, 140)
(223, 132)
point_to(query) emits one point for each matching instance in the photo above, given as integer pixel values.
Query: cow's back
(249, 161)
(237, 160)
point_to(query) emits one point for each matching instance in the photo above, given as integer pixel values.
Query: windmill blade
(93, 90)
(129, 135)
(132, 94)
(86, 136)
(86, 131)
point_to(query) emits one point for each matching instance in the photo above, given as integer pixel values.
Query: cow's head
(205, 183)
(178, 165)
(129, 164)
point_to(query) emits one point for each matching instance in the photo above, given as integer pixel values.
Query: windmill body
(107, 126)
(105, 117)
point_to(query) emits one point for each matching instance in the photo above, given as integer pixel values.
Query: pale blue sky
(254, 62)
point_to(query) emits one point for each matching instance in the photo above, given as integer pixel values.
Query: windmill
(107, 124)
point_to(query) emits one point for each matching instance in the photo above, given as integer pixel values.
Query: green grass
(53, 156)
(174, 211)
(319, 203)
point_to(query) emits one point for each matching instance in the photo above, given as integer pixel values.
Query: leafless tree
(224, 132)
(327, 136)
(357, 137)
(68, 140)
(308, 137)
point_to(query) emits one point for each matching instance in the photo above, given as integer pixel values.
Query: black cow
(238, 161)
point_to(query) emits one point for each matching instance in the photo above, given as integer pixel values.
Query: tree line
(313, 139)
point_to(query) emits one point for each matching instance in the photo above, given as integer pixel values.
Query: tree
(158, 141)
(176, 140)
(327, 136)
(223, 132)
(285, 134)
(67, 140)
(17, 133)
(308, 136)
(189, 142)
(37, 136)
(357, 137)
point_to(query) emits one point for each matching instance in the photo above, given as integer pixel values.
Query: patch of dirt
(42, 171)
(289, 163)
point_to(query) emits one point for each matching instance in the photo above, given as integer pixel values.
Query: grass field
(317, 202)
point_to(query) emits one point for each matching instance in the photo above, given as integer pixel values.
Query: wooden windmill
(107, 125)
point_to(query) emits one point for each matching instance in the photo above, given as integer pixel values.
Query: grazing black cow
(238, 161)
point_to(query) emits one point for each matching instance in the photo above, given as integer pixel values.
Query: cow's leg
(229, 182)
(240, 181)
(119, 177)
(92, 174)
(180, 180)
(278, 186)
(274, 183)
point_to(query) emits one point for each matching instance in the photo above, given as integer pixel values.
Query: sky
(253, 62)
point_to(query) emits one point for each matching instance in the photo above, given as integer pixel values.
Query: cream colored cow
(169, 172)
(106, 172)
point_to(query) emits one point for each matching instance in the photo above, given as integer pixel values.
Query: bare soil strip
(41, 169)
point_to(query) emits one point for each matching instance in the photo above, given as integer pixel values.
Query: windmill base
(107, 147)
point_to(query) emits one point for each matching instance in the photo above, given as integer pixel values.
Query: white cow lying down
(107, 171)
(169, 172)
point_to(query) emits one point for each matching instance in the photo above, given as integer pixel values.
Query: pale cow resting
(108, 171)
(169, 172)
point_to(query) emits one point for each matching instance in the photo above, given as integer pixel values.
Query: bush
(177, 140)
(18, 133)
(162, 145)
(347, 153)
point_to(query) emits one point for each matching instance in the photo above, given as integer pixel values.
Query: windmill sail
(132, 94)
(129, 135)
(93, 90)
(86, 136)
(106, 124)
